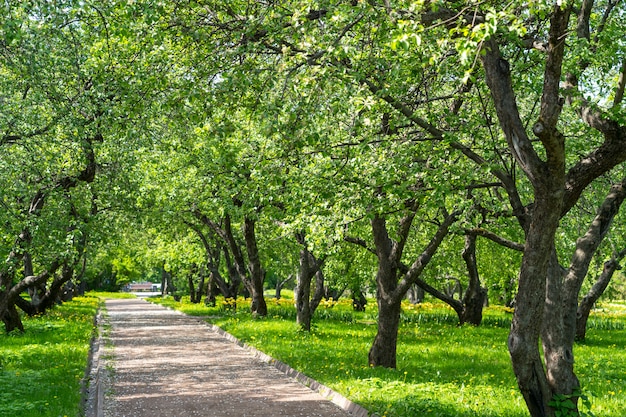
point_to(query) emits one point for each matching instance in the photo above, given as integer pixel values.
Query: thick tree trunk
(257, 275)
(10, 317)
(383, 350)
(557, 335)
(537, 285)
(320, 290)
(523, 341)
(211, 291)
(8, 312)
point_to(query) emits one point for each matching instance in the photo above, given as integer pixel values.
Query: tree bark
(309, 267)
(303, 290)
(358, 299)
(586, 247)
(280, 283)
(416, 294)
(588, 301)
(474, 298)
(192, 289)
(391, 290)
(257, 275)
(538, 284)
(383, 350)
(9, 296)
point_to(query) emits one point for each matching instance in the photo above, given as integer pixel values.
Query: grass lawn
(41, 369)
(443, 369)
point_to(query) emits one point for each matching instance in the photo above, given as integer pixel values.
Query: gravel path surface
(164, 364)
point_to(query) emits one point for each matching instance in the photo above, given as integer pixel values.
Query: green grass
(443, 370)
(103, 295)
(41, 369)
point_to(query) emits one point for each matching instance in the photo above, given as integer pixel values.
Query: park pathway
(165, 364)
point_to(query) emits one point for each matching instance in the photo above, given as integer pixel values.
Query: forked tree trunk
(537, 287)
(586, 247)
(309, 268)
(280, 284)
(589, 300)
(391, 290)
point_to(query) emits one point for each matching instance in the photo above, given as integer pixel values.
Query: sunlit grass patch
(41, 369)
(102, 294)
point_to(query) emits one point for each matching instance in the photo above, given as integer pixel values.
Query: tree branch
(496, 239)
(412, 275)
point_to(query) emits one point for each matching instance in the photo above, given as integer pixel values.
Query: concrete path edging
(97, 374)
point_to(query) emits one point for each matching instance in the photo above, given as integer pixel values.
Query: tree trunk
(11, 318)
(11, 294)
(416, 294)
(358, 300)
(233, 276)
(163, 280)
(474, 298)
(557, 334)
(537, 286)
(383, 350)
(200, 289)
(586, 247)
(257, 275)
(303, 289)
(588, 301)
(8, 313)
(390, 290)
(309, 268)
(211, 291)
(52, 294)
(280, 284)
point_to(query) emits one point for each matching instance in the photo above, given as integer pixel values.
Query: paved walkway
(165, 364)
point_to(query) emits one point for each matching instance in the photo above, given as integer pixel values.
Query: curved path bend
(161, 363)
